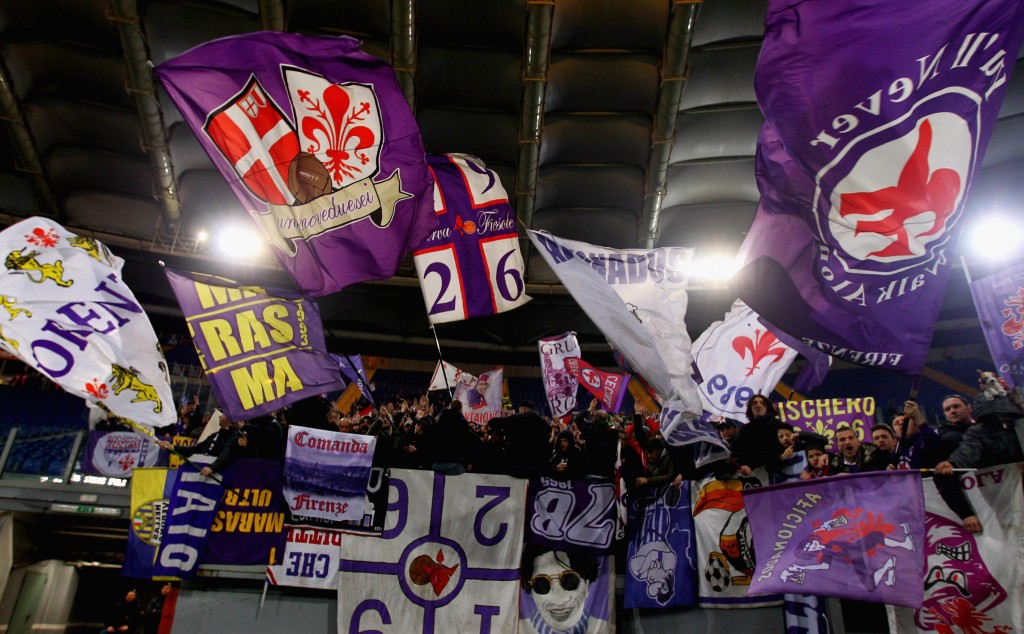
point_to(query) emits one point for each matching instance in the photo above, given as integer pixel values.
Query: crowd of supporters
(422, 431)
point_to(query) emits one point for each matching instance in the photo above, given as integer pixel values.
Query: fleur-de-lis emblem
(823, 429)
(97, 389)
(464, 227)
(336, 128)
(43, 237)
(762, 347)
(127, 462)
(1013, 327)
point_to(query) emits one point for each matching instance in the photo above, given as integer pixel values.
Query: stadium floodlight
(994, 237)
(239, 242)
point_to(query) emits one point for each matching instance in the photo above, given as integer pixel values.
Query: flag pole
(437, 341)
(362, 377)
(146, 432)
(967, 271)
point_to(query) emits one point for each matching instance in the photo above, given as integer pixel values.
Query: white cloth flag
(637, 298)
(559, 384)
(737, 358)
(68, 314)
(973, 582)
(448, 377)
(481, 399)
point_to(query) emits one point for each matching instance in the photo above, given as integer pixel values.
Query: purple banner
(248, 528)
(571, 515)
(352, 367)
(261, 348)
(326, 474)
(999, 299)
(822, 416)
(471, 265)
(318, 143)
(115, 454)
(191, 508)
(858, 537)
(661, 558)
(876, 121)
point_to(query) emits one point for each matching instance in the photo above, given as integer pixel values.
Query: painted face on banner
(957, 582)
(560, 607)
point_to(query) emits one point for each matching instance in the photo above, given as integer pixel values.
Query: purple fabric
(858, 536)
(267, 106)
(999, 299)
(249, 525)
(817, 363)
(352, 367)
(261, 348)
(571, 515)
(661, 559)
(471, 265)
(876, 120)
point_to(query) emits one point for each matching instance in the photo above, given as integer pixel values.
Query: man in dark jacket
(222, 445)
(528, 437)
(449, 441)
(855, 456)
(566, 461)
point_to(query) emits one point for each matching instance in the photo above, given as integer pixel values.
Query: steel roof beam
(25, 145)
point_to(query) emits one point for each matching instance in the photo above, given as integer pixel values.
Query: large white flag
(737, 358)
(448, 377)
(68, 314)
(560, 384)
(973, 582)
(637, 298)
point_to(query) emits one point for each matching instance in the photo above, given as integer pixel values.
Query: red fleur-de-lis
(337, 128)
(97, 389)
(917, 191)
(43, 237)
(760, 348)
(126, 462)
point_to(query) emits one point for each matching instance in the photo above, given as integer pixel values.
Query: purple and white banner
(262, 348)
(662, 549)
(973, 582)
(571, 515)
(822, 416)
(608, 387)
(737, 358)
(318, 143)
(69, 315)
(191, 510)
(448, 560)
(115, 454)
(470, 265)
(560, 385)
(326, 475)
(726, 560)
(481, 400)
(448, 377)
(567, 593)
(999, 299)
(864, 179)
(310, 560)
(859, 537)
(248, 528)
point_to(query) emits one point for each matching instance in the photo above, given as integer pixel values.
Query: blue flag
(661, 559)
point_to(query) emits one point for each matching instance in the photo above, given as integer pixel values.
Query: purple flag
(261, 348)
(248, 528)
(319, 145)
(471, 265)
(662, 550)
(352, 367)
(876, 120)
(858, 537)
(999, 299)
(571, 515)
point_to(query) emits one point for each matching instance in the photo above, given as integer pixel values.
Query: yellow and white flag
(67, 313)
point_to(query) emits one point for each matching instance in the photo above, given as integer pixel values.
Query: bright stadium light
(995, 237)
(239, 242)
(202, 236)
(713, 270)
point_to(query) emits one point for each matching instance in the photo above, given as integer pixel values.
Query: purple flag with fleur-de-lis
(876, 120)
(318, 143)
(999, 299)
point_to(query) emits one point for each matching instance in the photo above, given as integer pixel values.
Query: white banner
(560, 384)
(115, 454)
(310, 559)
(448, 560)
(68, 314)
(482, 396)
(637, 298)
(737, 358)
(973, 582)
(725, 544)
(326, 474)
(448, 377)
